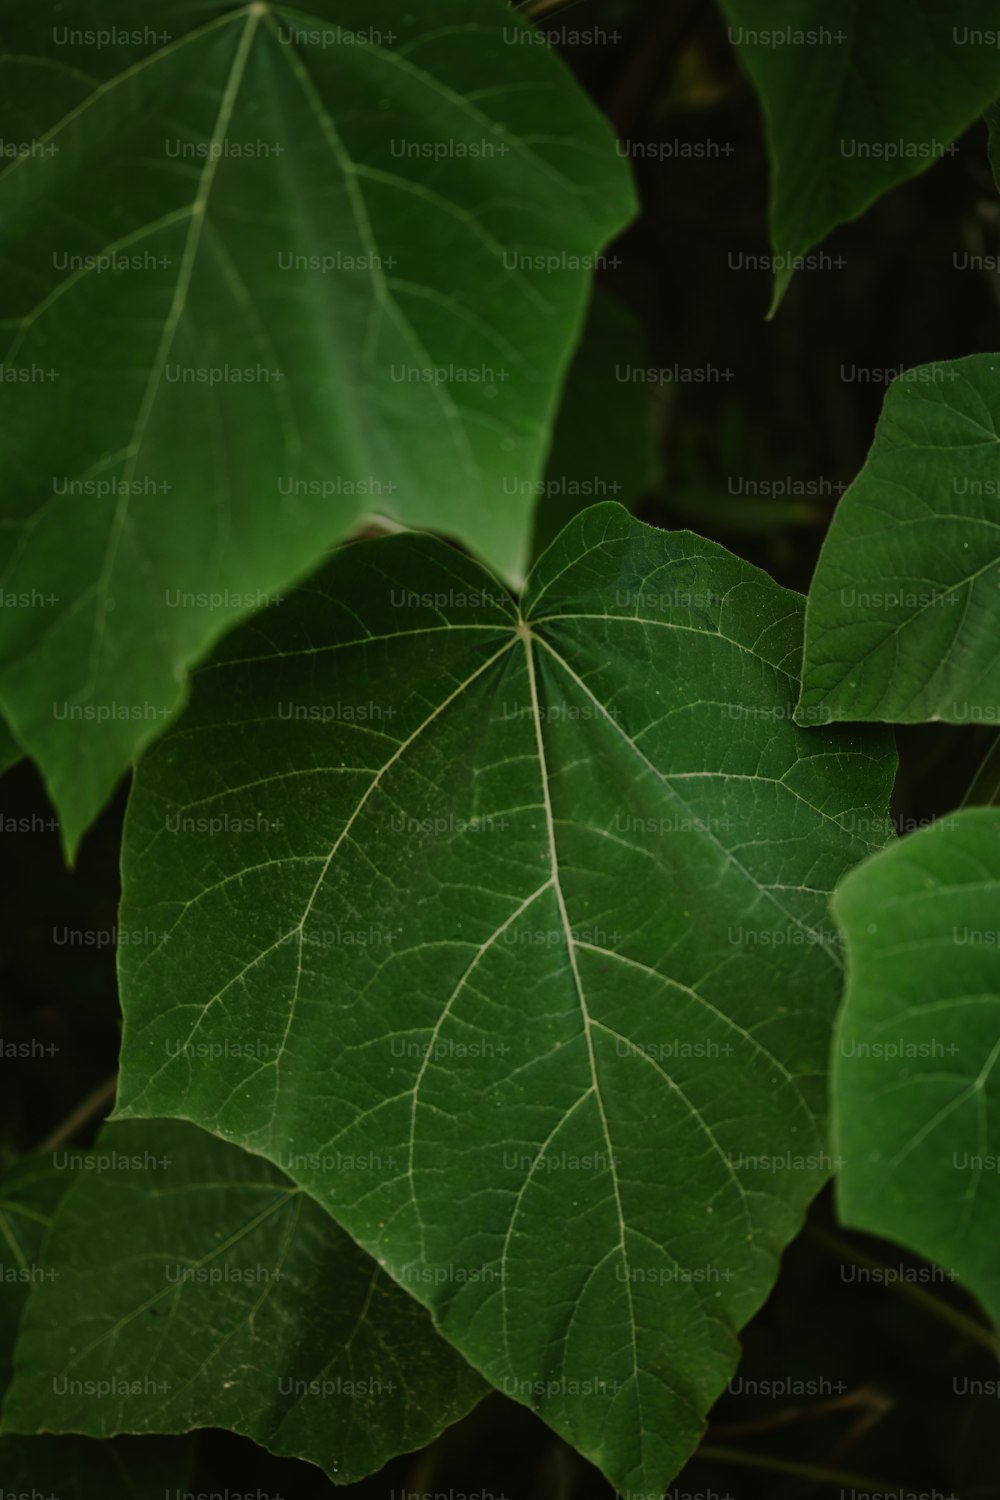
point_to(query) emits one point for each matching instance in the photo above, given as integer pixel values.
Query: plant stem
(816, 1472)
(870, 1402)
(916, 1294)
(538, 7)
(84, 1112)
(984, 789)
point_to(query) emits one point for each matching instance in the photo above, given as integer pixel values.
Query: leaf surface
(858, 98)
(916, 1091)
(194, 1286)
(30, 1189)
(70, 1468)
(904, 607)
(534, 906)
(267, 271)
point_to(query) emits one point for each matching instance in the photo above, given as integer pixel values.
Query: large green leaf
(904, 607)
(916, 1092)
(195, 1286)
(527, 925)
(330, 292)
(858, 98)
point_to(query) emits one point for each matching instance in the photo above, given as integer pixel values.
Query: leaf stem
(984, 789)
(871, 1402)
(81, 1115)
(816, 1472)
(938, 1308)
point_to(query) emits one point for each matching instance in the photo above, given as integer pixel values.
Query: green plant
(514, 934)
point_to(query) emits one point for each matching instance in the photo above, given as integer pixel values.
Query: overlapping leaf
(191, 1285)
(903, 617)
(29, 1193)
(858, 99)
(71, 1468)
(266, 270)
(522, 915)
(916, 1090)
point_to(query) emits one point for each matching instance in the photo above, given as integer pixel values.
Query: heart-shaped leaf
(267, 270)
(533, 902)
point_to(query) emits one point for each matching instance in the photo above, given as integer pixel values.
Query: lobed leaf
(267, 270)
(503, 931)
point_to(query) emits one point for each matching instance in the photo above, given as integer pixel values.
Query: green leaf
(534, 906)
(857, 99)
(601, 441)
(902, 618)
(916, 1092)
(69, 1468)
(29, 1192)
(195, 1286)
(324, 304)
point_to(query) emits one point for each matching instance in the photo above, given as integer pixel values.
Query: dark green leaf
(916, 1092)
(523, 920)
(29, 1192)
(904, 607)
(64, 1468)
(192, 1285)
(856, 99)
(258, 284)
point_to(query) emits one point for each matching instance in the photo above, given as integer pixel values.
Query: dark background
(882, 1360)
